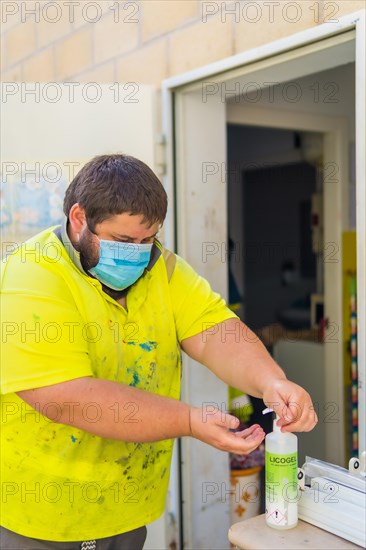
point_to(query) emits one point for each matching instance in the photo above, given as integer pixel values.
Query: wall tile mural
(31, 199)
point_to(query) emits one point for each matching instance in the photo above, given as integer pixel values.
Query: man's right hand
(213, 427)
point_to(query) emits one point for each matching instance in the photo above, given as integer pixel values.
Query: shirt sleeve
(42, 330)
(196, 306)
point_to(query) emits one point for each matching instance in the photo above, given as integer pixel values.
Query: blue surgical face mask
(121, 264)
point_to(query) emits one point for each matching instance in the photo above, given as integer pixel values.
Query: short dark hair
(113, 184)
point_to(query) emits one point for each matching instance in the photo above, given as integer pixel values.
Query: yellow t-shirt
(61, 483)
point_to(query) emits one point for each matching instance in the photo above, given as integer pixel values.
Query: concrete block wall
(143, 41)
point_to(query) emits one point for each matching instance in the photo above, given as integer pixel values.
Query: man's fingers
(303, 426)
(246, 444)
(216, 430)
(248, 431)
(228, 421)
(298, 418)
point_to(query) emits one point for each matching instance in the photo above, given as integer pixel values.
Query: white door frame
(335, 192)
(174, 96)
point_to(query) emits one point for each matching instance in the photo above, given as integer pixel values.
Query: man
(94, 316)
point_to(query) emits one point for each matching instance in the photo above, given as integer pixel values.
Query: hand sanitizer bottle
(281, 478)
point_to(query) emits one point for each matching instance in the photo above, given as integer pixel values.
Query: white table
(254, 534)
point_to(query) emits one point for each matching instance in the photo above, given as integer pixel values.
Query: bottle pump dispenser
(281, 478)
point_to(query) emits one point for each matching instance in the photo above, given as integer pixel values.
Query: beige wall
(144, 41)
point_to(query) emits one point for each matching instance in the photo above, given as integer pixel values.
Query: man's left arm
(237, 356)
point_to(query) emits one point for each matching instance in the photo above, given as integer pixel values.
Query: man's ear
(77, 219)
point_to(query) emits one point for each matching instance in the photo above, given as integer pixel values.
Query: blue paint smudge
(148, 346)
(136, 379)
(73, 438)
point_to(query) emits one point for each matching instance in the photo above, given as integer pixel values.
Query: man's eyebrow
(134, 238)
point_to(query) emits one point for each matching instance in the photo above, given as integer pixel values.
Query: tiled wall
(144, 41)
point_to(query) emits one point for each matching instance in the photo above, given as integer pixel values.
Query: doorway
(320, 134)
(274, 184)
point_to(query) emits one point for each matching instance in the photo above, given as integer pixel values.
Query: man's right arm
(131, 414)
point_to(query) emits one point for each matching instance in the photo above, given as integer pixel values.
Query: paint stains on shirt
(146, 346)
